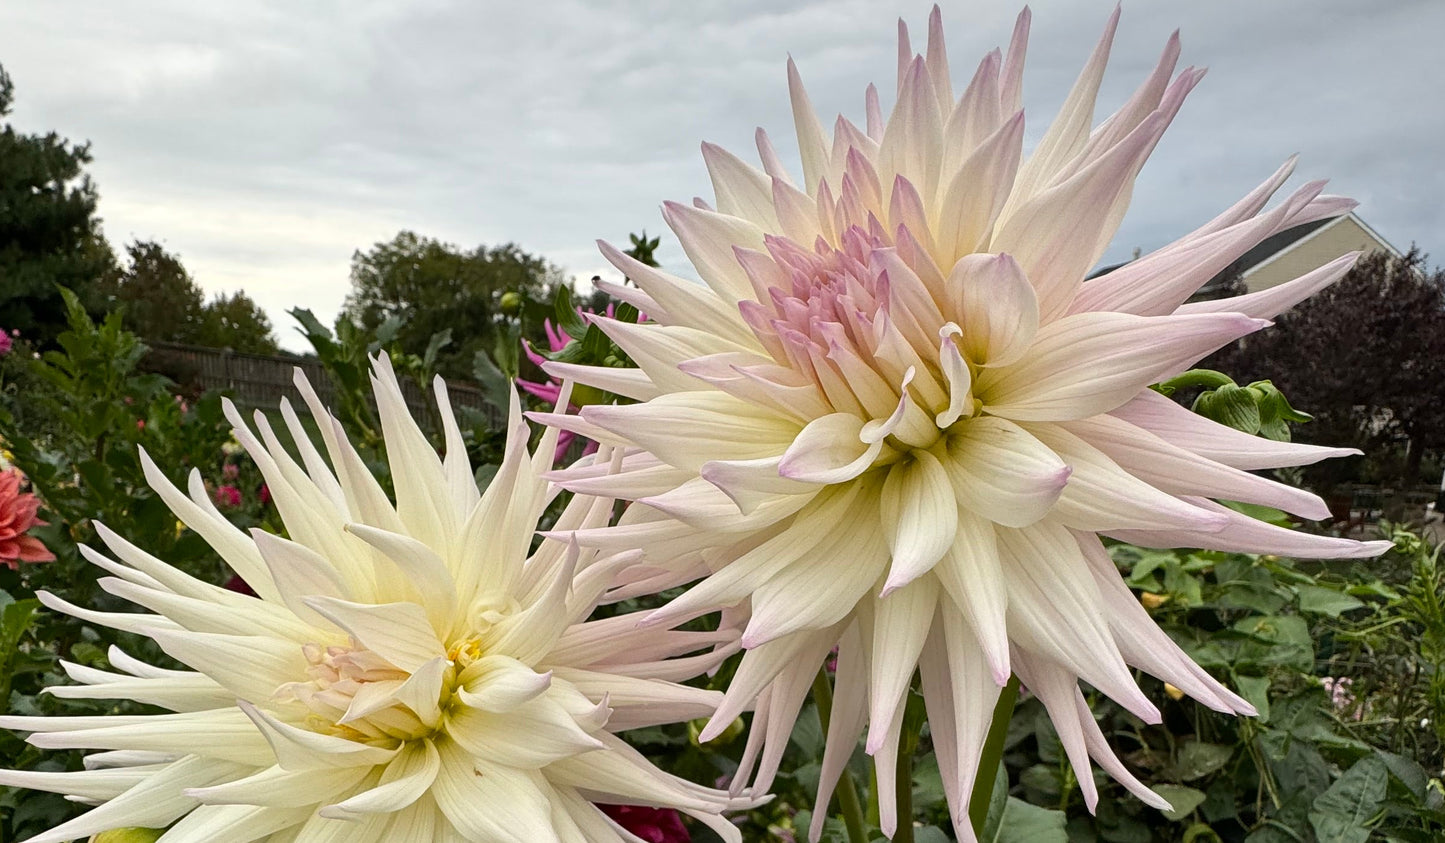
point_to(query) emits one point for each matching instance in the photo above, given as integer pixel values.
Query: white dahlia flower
(407, 672)
(897, 417)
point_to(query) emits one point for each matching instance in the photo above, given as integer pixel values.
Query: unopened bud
(129, 835)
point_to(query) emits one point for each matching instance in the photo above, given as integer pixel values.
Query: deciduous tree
(430, 286)
(1364, 357)
(162, 303)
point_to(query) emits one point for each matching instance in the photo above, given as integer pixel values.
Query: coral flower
(407, 671)
(897, 418)
(17, 516)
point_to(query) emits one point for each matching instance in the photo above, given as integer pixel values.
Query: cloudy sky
(266, 141)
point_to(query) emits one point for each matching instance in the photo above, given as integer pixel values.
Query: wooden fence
(260, 381)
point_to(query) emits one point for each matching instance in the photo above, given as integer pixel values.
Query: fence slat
(260, 381)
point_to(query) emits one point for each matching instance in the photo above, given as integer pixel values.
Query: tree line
(51, 237)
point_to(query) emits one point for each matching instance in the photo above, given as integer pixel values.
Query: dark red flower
(655, 825)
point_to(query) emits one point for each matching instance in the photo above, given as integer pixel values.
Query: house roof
(1273, 245)
(1266, 251)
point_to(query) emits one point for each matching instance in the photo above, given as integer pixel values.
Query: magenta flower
(549, 391)
(5, 343)
(228, 496)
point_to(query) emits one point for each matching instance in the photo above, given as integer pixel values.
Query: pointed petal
(1002, 472)
(1086, 364)
(920, 516)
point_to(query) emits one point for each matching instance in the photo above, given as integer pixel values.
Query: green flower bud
(129, 835)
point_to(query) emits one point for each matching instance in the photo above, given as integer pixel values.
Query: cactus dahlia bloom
(407, 672)
(897, 418)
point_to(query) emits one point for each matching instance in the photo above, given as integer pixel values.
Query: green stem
(1207, 378)
(982, 795)
(903, 784)
(846, 792)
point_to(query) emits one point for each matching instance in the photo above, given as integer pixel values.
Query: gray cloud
(265, 141)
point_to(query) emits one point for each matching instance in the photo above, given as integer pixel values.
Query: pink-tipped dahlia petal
(896, 415)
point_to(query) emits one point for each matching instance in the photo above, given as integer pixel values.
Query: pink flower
(17, 515)
(655, 825)
(896, 418)
(230, 471)
(228, 496)
(265, 494)
(5, 344)
(557, 340)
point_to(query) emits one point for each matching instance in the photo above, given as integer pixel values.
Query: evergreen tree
(49, 235)
(238, 323)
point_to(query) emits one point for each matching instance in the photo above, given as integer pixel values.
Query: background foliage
(1364, 357)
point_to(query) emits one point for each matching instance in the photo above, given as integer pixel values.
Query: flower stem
(846, 792)
(903, 782)
(982, 795)
(1207, 378)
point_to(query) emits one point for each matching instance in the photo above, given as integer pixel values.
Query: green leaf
(1406, 770)
(1184, 799)
(386, 332)
(568, 320)
(808, 732)
(1020, 822)
(1325, 601)
(1197, 759)
(1343, 812)
(1230, 405)
(496, 386)
(1041, 781)
(1255, 690)
(928, 794)
(438, 341)
(1276, 640)
(1267, 514)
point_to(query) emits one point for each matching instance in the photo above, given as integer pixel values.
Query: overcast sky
(266, 141)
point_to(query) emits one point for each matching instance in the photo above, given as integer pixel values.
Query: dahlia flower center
(355, 693)
(876, 344)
